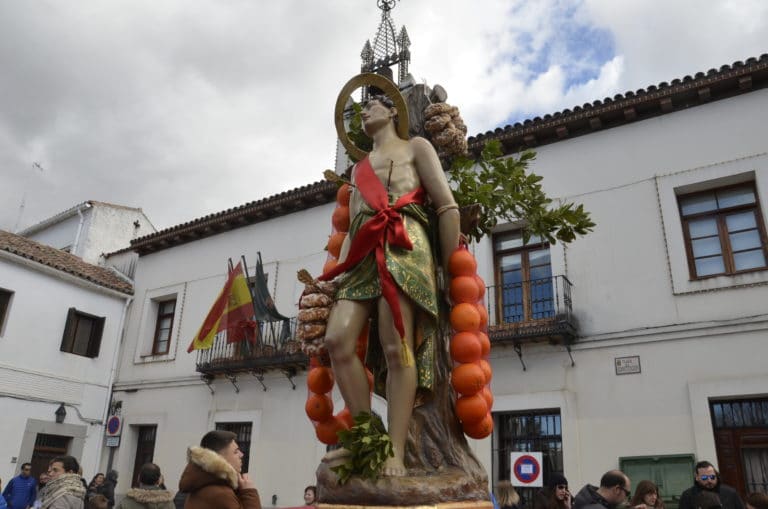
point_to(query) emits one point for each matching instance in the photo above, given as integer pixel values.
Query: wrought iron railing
(535, 310)
(275, 348)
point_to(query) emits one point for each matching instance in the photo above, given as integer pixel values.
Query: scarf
(66, 484)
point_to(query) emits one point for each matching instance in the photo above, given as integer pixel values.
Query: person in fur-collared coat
(148, 495)
(213, 479)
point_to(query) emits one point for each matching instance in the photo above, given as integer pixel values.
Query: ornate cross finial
(386, 5)
(387, 48)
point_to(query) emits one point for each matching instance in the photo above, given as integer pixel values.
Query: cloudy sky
(188, 107)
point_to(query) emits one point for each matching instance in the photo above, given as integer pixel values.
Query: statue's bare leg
(401, 380)
(345, 323)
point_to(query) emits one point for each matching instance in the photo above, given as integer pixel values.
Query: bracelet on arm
(445, 208)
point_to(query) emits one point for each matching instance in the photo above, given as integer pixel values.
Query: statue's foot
(394, 467)
(336, 457)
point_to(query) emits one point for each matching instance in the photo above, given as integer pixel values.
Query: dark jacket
(729, 498)
(20, 492)
(212, 483)
(108, 487)
(179, 499)
(589, 498)
(147, 498)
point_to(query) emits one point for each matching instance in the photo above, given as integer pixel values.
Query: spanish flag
(232, 312)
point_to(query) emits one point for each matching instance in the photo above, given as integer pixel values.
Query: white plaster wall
(35, 376)
(111, 229)
(61, 234)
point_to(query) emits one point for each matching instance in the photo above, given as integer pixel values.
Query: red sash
(384, 227)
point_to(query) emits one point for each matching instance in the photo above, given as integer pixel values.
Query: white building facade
(61, 322)
(91, 229)
(641, 346)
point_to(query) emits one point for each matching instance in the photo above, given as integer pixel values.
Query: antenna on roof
(35, 166)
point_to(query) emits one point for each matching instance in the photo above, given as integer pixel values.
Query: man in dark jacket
(213, 477)
(107, 488)
(21, 491)
(614, 489)
(707, 479)
(149, 494)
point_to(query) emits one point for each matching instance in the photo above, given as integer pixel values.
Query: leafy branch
(369, 447)
(506, 191)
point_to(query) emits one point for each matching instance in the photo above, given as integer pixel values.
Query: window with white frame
(724, 231)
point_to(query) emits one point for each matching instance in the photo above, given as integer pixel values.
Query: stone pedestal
(430, 490)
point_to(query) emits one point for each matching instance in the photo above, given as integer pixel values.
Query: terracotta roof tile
(65, 262)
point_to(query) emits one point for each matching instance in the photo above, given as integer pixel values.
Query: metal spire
(387, 49)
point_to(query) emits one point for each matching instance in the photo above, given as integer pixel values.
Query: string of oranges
(470, 345)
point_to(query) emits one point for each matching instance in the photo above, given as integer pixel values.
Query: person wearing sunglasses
(554, 495)
(614, 490)
(707, 479)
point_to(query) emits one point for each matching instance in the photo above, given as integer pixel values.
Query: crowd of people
(213, 479)
(615, 492)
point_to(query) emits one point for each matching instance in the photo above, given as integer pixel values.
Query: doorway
(46, 448)
(741, 441)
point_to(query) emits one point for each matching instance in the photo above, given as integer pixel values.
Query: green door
(673, 474)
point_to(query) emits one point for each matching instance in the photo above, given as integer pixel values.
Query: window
(163, 326)
(724, 231)
(5, 304)
(523, 278)
(243, 432)
(82, 334)
(527, 431)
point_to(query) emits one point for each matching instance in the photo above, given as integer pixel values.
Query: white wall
(35, 376)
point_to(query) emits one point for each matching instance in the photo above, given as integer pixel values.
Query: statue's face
(375, 116)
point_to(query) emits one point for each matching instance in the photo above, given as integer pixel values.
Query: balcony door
(523, 278)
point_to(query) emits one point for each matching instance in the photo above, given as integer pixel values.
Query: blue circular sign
(113, 425)
(526, 469)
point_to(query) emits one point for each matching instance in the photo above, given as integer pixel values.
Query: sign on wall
(627, 365)
(526, 469)
(114, 426)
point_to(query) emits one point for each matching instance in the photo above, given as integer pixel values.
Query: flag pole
(250, 289)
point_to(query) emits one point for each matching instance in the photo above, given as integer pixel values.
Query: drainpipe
(79, 228)
(115, 357)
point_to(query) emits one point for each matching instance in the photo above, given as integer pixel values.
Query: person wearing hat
(554, 495)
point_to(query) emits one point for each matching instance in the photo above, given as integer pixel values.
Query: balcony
(278, 349)
(532, 311)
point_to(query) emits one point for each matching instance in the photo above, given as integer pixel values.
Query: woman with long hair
(647, 494)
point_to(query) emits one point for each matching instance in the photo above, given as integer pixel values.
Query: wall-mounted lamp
(61, 413)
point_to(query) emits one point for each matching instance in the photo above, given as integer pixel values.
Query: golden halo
(389, 89)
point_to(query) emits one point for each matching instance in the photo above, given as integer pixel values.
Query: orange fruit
(488, 396)
(465, 347)
(485, 344)
(462, 263)
(334, 243)
(320, 380)
(345, 416)
(480, 287)
(465, 318)
(319, 407)
(464, 289)
(340, 218)
(471, 409)
(468, 379)
(487, 371)
(326, 430)
(483, 312)
(480, 429)
(343, 194)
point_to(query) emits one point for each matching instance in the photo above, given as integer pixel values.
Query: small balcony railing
(531, 311)
(276, 349)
